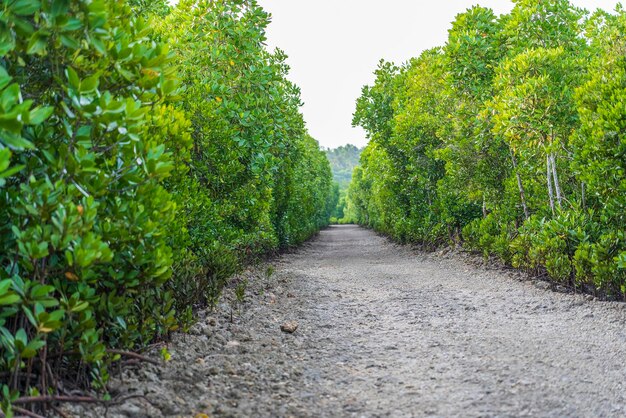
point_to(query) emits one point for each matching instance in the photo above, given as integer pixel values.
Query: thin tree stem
(549, 177)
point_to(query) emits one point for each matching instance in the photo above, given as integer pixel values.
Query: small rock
(131, 410)
(229, 369)
(170, 408)
(542, 285)
(196, 330)
(289, 327)
(211, 321)
(149, 375)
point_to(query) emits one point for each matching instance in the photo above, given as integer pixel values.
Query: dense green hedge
(509, 139)
(141, 163)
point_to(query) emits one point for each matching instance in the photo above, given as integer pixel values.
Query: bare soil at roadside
(383, 331)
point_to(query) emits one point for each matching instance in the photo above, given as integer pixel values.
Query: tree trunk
(484, 207)
(557, 186)
(549, 177)
(522, 195)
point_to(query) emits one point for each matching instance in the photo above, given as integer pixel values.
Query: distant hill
(342, 161)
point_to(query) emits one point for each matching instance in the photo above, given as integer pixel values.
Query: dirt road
(384, 331)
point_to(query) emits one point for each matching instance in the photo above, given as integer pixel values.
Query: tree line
(342, 160)
(508, 139)
(146, 153)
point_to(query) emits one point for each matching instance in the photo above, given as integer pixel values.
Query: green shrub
(511, 133)
(137, 172)
(83, 221)
(256, 181)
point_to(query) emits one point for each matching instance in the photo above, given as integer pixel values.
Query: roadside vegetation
(146, 154)
(342, 160)
(508, 139)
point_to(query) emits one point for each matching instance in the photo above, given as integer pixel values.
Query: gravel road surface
(384, 331)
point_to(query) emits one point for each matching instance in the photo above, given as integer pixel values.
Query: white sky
(335, 45)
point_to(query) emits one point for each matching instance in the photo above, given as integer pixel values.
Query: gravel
(383, 331)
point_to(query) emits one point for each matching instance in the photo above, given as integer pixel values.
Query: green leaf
(24, 29)
(29, 314)
(40, 291)
(90, 84)
(25, 7)
(7, 41)
(59, 7)
(72, 77)
(37, 43)
(31, 349)
(5, 78)
(10, 97)
(5, 159)
(15, 141)
(70, 41)
(40, 114)
(80, 307)
(5, 285)
(21, 337)
(99, 45)
(13, 170)
(72, 24)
